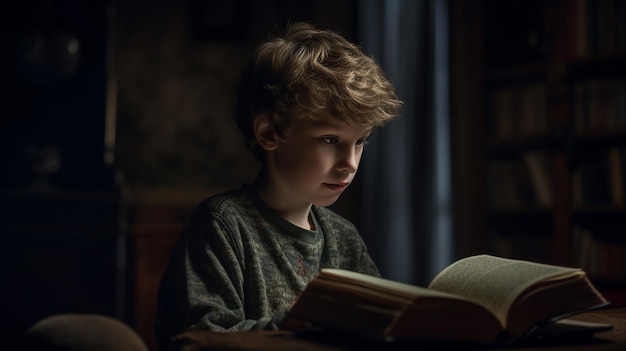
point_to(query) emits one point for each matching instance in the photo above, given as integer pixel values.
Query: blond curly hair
(307, 73)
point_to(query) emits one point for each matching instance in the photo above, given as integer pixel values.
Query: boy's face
(318, 159)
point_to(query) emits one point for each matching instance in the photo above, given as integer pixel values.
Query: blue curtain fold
(406, 206)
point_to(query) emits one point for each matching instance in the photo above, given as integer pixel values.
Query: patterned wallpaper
(175, 102)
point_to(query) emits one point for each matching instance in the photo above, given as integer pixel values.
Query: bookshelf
(551, 171)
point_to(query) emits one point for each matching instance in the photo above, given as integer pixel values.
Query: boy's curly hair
(309, 72)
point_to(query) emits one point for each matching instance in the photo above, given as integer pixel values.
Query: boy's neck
(297, 214)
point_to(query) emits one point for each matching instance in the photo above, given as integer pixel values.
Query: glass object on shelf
(44, 160)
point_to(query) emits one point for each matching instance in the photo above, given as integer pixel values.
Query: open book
(479, 299)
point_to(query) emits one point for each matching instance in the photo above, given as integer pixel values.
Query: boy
(307, 104)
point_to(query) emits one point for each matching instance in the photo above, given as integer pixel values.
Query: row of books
(602, 258)
(519, 111)
(527, 181)
(599, 105)
(590, 27)
(599, 178)
(599, 251)
(521, 243)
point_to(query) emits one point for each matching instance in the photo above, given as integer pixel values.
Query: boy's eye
(361, 142)
(330, 139)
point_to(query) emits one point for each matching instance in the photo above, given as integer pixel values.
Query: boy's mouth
(337, 186)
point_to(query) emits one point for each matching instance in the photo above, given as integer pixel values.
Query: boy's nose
(349, 161)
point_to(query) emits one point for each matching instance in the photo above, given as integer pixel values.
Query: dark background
(86, 226)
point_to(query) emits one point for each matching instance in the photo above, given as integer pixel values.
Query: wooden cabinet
(154, 229)
(551, 154)
(156, 219)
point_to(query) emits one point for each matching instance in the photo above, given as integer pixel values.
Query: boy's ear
(264, 133)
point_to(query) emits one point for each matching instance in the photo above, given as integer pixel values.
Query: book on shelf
(480, 299)
(538, 164)
(503, 185)
(617, 175)
(531, 242)
(599, 178)
(599, 105)
(526, 180)
(585, 27)
(600, 251)
(519, 111)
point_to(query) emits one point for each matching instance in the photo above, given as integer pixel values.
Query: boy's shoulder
(230, 201)
(242, 202)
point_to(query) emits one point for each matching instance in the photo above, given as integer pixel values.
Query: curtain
(406, 205)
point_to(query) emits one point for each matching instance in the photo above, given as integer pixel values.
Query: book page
(385, 286)
(492, 281)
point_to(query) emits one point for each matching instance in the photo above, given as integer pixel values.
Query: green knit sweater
(237, 265)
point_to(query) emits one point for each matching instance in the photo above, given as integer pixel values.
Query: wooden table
(614, 339)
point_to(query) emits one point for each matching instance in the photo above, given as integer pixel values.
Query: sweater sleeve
(203, 285)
